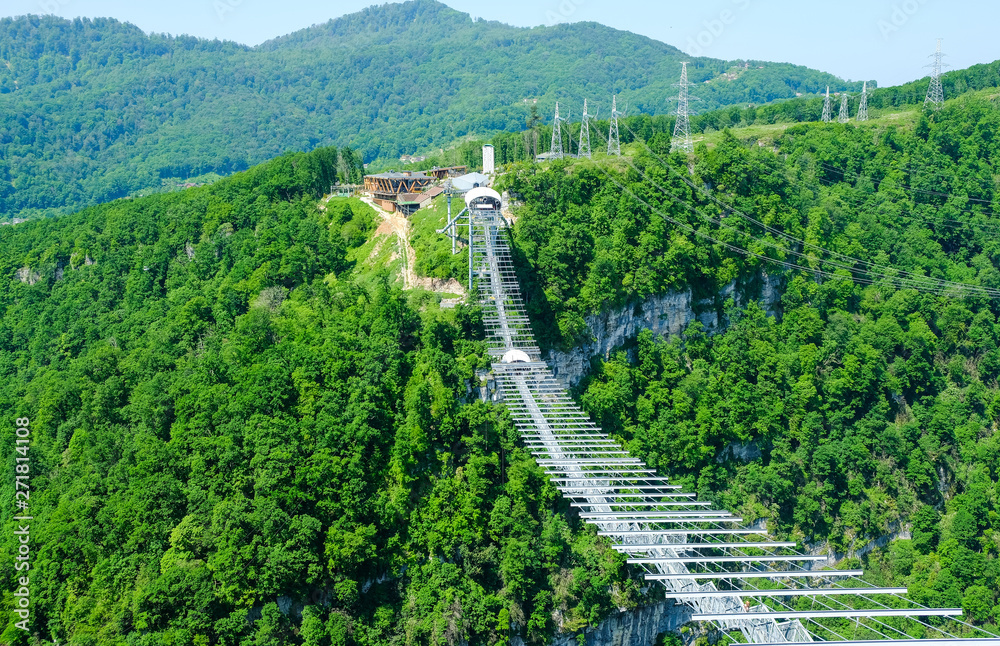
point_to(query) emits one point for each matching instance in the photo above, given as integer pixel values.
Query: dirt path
(396, 223)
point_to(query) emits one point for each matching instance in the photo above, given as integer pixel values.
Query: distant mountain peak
(390, 79)
(389, 19)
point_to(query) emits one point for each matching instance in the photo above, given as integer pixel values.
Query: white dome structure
(483, 198)
(516, 356)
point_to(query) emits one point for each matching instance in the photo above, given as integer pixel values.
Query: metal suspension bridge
(725, 572)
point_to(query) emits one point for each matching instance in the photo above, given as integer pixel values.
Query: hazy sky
(885, 40)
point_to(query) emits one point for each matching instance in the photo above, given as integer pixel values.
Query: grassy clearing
(766, 134)
(433, 249)
(372, 253)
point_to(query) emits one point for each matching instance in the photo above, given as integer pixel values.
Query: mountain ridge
(93, 110)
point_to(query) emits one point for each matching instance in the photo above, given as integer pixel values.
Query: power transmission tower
(845, 112)
(556, 148)
(827, 110)
(682, 129)
(569, 132)
(584, 148)
(863, 108)
(935, 93)
(614, 141)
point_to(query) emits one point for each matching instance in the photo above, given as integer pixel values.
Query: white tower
(863, 108)
(556, 148)
(935, 92)
(827, 110)
(584, 148)
(845, 113)
(614, 141)
(488, 160)
(682, 129)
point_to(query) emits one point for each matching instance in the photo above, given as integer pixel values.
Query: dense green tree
(237, 443)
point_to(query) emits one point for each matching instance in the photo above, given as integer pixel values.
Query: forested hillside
(235, 443)
(897, 102)
(870, 408)
(94, 110)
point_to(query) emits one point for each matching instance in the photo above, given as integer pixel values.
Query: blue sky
(885, 40)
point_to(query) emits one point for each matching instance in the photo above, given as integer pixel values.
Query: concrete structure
(544, 157)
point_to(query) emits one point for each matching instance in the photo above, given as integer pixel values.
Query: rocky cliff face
(859, 546)
(667, 314)
(639, 627)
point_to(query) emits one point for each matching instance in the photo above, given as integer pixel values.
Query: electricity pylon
(845, 112)
(556, 148)
(584, 148)
(827, 110)
(935, 92)
(863, 108)
(682, 129)
(614, 141)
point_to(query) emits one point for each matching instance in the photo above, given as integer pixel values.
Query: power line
(910, 189)
(860, 198)
(746, 252)
(859, 201)
(869, 274)
(682, 129)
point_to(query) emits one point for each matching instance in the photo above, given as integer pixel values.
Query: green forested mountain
(237, 441)
(93, 110)
(873, 408)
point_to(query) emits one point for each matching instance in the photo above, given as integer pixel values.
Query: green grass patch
(374, 257)
(433, 249)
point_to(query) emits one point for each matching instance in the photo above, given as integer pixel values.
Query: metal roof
(412, 198)
(468, 182)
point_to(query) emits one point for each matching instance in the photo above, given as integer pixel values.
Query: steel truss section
(621, 495)
(701, 546)
(787, 592)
